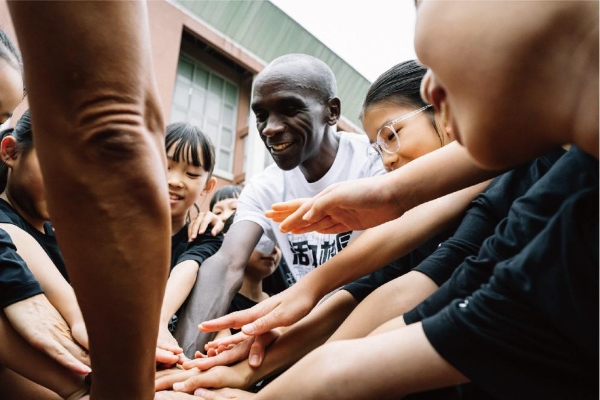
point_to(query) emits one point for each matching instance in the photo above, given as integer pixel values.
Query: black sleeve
(483, 215)
(364, 286)
(16, 281)
(201, 248)
(526, 218)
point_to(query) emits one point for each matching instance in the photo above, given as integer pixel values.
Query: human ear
(335, 109)
(8, 150)
(210, 185)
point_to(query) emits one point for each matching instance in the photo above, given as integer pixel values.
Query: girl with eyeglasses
(399, 124)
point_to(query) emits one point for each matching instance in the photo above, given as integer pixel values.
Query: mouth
(175, 197)
(279, 147)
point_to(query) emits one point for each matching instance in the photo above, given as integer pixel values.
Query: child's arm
(56, 288)
(180, 284)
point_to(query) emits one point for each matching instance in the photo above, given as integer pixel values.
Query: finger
(166, 357)
(232, 339)
(204, 221)
(257, 350)
(290, 206)
(218, 226)
(318, 226)
(278, 216)
(193, 228)
(166, 381)
(227, 357)
(234, 320)
(296, 219)
(64, 357)
(173, 396)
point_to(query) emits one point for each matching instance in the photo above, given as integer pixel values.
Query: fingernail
(254, 360)
(179, 386)
(249, 329)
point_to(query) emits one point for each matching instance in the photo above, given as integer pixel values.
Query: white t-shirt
(306, 251)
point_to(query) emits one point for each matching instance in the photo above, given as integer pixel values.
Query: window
(209, 101)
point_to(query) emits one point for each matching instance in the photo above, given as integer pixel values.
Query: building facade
(206, 55)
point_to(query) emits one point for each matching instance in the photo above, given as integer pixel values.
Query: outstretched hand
(41, 325)
(280, 310)
(352, 205)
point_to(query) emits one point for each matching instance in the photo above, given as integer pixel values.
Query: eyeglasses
(387, 137)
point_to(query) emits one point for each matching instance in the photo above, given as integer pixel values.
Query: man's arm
(219, 279)
(99, 134)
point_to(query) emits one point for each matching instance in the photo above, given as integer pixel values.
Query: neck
(37, 223)
(316, 166)
(176, 224)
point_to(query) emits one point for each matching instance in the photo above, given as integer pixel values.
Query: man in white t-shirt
(296, 108)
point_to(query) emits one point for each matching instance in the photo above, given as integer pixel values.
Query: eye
(260, 116)
(291, 111)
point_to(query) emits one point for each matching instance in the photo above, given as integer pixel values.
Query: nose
(174, 179)
(273, 126)
(390, 161)
(431, 91)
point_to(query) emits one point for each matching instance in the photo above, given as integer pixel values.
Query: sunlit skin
(485, 86)
(25, 187)
(417, 134)
(225, 208)
(11, 90)
(187, 182)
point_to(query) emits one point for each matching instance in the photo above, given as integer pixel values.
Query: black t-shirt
(438, 258)
(199, 249)
(16, 281)
(527, 216)
(531, 329)
(483, 215)
(364, 286)
(46, 239)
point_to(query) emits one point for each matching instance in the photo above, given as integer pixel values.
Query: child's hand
(201, 222)
(79, 333)
(280, 211)
(168, 351)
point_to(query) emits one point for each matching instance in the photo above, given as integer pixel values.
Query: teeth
(279, 147)
(175, 197)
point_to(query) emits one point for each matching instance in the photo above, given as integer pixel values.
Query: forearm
(433, 175)
(219, 279)
(180, 284)
(99, 135)
(370, 368)
(19, 356)
(383, 244)
(56, 288)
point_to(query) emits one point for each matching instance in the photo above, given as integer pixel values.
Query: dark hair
(226, 192)
(24, 143)
(9, 52)
(186, 138)
(400, 85)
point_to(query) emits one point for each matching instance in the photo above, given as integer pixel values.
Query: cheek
(418, 144)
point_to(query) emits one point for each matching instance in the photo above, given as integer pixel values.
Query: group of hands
(339, 208)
